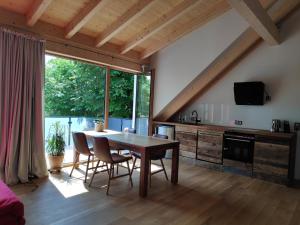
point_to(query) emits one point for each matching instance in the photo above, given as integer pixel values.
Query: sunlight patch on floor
(69, 187)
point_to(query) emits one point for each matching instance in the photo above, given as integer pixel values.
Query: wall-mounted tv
(249, 93)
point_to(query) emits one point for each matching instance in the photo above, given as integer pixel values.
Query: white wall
(278, 67)
(183, 60)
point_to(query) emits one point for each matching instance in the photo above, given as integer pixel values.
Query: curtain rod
(21, 32)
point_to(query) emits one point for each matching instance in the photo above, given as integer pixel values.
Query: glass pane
(74, 96)
(142, 107)
(121, 100)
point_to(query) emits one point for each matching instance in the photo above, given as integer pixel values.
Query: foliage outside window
(143, 96)
(74, 88)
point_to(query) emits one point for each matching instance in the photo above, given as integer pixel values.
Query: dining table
(144, 145)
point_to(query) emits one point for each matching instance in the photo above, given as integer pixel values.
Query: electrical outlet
(238, 122)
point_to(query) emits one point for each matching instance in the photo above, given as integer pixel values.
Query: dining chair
(124, 151)
(154, 156)
(103, 153)
(82, 148)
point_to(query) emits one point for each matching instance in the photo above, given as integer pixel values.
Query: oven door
(238, 149)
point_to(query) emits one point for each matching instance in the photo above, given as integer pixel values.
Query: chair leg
(95, 171)
(108, 171)
(93, 158)
(150, 173)
(118, 151)
(109, 177)
(133, 166)
(87, 168)
(129, 173)
(163, 166)
(77, 157)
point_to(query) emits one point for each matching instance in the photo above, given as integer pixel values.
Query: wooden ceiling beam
(159, 24)
(122, 22)
(71, 52)
(209, 14)
(109, 54)
(229, 57)
(83, 17)
(258, 19)
(36, 11)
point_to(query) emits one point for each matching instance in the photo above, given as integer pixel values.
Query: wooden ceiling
(135, 29)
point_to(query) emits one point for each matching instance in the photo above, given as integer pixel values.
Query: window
(74, 96)
(129, 101)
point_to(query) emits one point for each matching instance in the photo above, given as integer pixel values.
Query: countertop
(256, 132)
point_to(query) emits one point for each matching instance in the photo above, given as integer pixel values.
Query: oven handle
(235, 139)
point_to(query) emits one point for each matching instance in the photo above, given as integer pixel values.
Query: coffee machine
(276, 125)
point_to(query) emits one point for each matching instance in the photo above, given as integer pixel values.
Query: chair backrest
(162, 136)
(102, 150)
(80, 143)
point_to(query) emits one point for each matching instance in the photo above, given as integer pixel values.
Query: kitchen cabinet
(209, 146)
(273, 153)
(188, 141)
(271, 161)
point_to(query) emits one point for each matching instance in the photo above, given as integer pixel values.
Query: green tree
(143, 97)
(121, 94)
(74, 88)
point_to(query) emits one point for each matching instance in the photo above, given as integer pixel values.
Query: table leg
(144, 173)
(175, 165)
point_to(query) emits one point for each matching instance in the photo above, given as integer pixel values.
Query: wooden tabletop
(133, 139)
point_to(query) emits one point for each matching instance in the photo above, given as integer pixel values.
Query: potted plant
(56, 146)
(99, 125)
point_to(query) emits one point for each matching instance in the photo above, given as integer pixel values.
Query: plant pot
(99, 127)
(55, 162)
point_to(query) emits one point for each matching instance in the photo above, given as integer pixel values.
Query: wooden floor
(202, 197)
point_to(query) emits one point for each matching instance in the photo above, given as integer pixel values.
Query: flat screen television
(249, 93)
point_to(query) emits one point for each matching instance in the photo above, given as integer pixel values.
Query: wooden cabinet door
(188, 142)
(210, 146)
(271, 161)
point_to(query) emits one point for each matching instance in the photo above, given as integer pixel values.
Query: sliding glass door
(129, 101)
(74, 97)
(121, 94)
(142, 104)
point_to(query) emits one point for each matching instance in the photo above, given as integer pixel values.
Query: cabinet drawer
(188, 141)
(272, 154)
(213, 138)
(186, 129)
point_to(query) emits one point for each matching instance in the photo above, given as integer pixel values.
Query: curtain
(21, 125)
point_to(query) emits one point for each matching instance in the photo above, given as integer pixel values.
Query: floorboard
(202, 197)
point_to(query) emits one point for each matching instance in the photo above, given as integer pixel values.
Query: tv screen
(249, 93)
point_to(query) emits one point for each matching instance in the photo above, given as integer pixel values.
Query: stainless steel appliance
(276, 125)
(166, 130)
(170, 132)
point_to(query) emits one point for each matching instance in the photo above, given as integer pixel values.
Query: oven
(238, 146)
